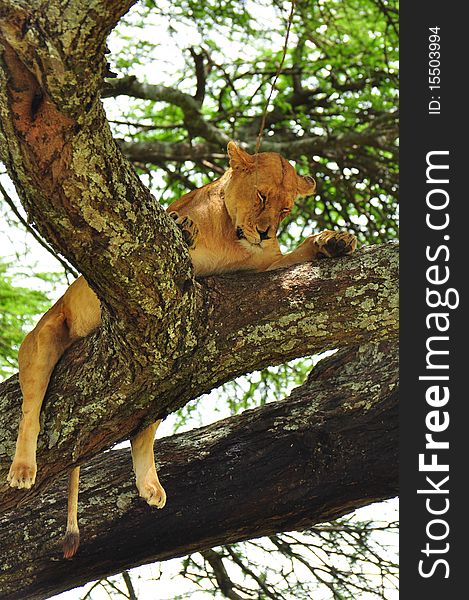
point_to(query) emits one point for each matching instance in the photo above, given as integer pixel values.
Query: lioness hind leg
(39, 353)
(143, 459)
(188, 228)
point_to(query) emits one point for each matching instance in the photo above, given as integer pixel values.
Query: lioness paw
(188, 229)
(70, 543)
(22, 475)
(331, 244)
(151, 490)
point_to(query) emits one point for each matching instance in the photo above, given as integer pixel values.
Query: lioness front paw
(151, 490)
(331, 244)
(188, 229)
(22, 475)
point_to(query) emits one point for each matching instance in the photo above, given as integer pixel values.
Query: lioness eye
(284, 212)
(262, 198)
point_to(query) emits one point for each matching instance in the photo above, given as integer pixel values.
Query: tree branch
(227, 587)
(65, 54)
(189, 105)
(199, 63)
(9, 201)
(327, 449)
(154, 151)
(198, 126)
(244, 322)
(374, 135)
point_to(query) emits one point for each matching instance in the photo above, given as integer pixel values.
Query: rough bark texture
(73, 180)
(246, 321)
(329, 447)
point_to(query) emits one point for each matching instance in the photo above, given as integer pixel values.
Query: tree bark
(330, 447)
(165, 338)
(244, 322)
(76, 186)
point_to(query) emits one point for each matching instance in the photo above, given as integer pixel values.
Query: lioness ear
(239, 159)
(306, 185)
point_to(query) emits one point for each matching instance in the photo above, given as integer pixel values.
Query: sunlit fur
(235, 202)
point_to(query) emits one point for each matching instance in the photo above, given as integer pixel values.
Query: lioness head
(260, 193)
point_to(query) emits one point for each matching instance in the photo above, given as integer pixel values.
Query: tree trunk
(330, 447)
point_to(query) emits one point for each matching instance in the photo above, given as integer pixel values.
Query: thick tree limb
(190, 105)
(154, 151)
(330, 447)
(102, 393)
(62, 43)
(73, 181)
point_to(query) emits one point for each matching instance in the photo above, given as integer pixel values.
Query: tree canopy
(333, 111)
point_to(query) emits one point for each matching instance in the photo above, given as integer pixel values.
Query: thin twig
(277, 74)
(226, 585)
(36, 236)
(129, 585)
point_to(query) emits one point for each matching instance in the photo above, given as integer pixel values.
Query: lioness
(228, 225)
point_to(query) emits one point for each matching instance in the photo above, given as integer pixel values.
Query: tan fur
(71, 539)
(229, 225)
